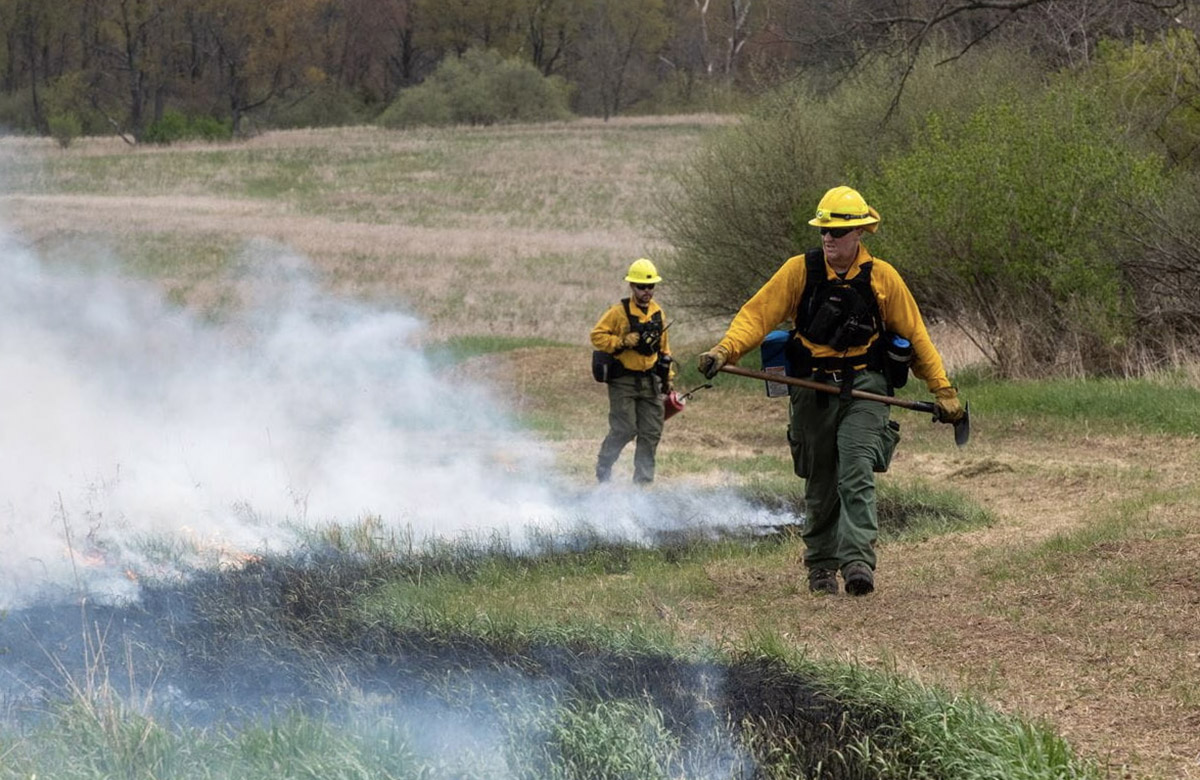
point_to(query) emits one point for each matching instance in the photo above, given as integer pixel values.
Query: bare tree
(1063, 32)
(620, 40)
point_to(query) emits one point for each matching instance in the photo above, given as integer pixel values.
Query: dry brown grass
(516, 240)
(1102, 640)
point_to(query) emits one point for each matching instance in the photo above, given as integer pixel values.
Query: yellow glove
(631, 340)
(949, 409)
(710, 362)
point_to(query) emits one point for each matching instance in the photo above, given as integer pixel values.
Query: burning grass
(276, 667)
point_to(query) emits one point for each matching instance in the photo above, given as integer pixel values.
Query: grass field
(1074, 605)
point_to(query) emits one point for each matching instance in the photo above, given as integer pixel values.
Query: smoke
(139, 442)
(136, 438)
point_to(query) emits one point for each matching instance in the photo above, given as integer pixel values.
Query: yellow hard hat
(844, 207)
(643, 272)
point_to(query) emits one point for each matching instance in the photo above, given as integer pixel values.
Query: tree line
(120, 66)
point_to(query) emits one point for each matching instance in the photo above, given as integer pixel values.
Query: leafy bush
(997, 190)
(65, 128)
(175, 126)
(68, 109)
(324, 106)
(207, 128)
(480, 88)
(741, 206)
(1155, 86)
(1010, 226)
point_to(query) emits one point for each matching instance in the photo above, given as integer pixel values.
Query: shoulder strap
(864, 280)
(814, 274)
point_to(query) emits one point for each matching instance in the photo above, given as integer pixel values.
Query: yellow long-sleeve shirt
(777, 301)
(613, 327)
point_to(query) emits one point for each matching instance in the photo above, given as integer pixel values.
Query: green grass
(80, 743)
(916, 510)
(929, 732)
(1151, 405)
(613, 587)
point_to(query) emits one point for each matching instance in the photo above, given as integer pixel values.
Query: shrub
(174, 126)
(209, 128)
(69, 111)
(741, 206)
(480, 88)
(730, 217)
(65, 128)
(1155, 87)
(998, 193)
(1163, 273)
(1009, 224)
(171, 127)
(326, 105)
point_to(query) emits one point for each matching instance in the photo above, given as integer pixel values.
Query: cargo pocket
(799, 455)
(888, 439)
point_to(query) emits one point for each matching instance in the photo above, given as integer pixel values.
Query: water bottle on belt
(898, 354)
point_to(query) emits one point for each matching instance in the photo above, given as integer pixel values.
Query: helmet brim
(861, 221)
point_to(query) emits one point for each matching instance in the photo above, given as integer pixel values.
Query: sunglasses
(644, 286)
(837, 232)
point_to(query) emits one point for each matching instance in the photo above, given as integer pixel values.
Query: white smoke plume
(125, 419)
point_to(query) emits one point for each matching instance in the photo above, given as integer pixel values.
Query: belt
(821, 375)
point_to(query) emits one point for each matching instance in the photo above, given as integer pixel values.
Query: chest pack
(838, 313)
(844, 313)
(606, 367)
(649, 332)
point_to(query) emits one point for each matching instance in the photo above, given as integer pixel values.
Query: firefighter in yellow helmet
(850, 310)
(634, 332)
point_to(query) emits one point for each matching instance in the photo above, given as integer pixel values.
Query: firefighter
(846, 306)
(634, 332)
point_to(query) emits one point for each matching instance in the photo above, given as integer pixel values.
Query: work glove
(631, 340)
(949, 409)
(710, 362)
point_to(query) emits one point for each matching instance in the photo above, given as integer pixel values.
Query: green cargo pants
(635, 409)
(837, 446)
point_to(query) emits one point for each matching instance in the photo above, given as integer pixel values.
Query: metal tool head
(962, 428)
